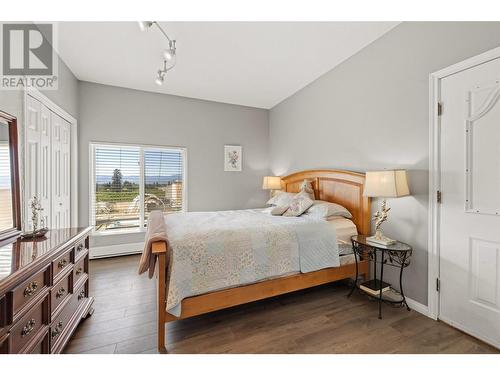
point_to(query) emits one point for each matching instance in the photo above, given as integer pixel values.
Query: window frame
(141, 147)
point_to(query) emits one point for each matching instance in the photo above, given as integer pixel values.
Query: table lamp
(384, 184)
(271, 183)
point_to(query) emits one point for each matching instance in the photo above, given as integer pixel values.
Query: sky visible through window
(160, 165)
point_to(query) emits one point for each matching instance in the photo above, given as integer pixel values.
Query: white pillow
(306, 187)
(281, 199)
(299, 205)
(322, 210)
(279, 210)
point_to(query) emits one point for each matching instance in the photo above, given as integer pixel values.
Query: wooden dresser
(44, 290)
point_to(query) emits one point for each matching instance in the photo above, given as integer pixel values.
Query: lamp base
(380, 239)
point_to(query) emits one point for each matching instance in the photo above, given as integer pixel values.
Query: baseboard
(116, 250)
(418, 307)
(470, 332)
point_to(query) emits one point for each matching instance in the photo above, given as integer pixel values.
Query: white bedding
(344, 228)
(217, 250)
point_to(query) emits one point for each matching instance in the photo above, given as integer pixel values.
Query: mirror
(10, 213)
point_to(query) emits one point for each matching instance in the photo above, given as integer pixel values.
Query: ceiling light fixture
(169, 54)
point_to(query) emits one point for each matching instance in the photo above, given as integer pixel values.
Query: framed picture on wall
(232, 158)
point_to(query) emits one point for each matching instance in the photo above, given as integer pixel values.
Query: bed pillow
(299, 205)
(306, 187)
(323, 210)
(281, 199)
(279, 210)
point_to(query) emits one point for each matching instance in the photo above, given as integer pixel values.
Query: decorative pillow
(299, 205)
(306, 187)
(323, 210)
(281, 199)
(278, 210)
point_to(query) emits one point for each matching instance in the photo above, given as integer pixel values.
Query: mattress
(344, 228)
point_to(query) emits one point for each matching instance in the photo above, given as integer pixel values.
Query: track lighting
(160, 79)
(144, 25)
(168, 54)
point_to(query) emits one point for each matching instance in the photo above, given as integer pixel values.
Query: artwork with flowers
(232, 158)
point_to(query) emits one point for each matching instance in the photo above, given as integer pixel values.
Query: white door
(60, 139)
(470, 209)
(32, 155)
(44, 183)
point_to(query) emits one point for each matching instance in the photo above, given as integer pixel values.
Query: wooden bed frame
(342, 187)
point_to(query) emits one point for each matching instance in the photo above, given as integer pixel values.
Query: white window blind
(6, 218)
(130, 181)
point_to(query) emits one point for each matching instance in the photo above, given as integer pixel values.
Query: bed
(302, 250)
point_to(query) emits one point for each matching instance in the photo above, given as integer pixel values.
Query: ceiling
(255, 64)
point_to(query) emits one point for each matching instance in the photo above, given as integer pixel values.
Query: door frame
(435, 169)
(36, 94)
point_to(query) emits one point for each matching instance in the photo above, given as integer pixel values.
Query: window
(5, 186)
(129, 181)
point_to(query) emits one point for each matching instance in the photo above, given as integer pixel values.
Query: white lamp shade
(386, 184)
(271, 183)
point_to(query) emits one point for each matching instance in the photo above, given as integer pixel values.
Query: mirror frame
(14, 175)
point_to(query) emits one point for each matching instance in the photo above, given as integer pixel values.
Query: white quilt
(218, 250)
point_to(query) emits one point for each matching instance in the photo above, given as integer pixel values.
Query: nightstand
(395, 255)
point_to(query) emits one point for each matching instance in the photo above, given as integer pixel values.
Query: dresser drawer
(80, 269)
(59, 326)
(61, 264)
(25, 331)
(28, 290)
(3, 314)
(60, 293)
(60, 323)
(81, 292)
(81, 248)
(4, 343)
(42, 344)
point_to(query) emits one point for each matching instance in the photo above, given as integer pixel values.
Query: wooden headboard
(341, 187)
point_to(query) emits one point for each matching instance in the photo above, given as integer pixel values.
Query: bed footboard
(159, 250)
(222, 299)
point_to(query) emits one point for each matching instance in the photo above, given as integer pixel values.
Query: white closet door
(32, 155)
(44, 192)
(66, 172)
(60, 141)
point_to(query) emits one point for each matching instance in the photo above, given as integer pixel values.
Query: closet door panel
(66, 173)
(45, 163)
(32, 154)
(60, 172)
(56, 171)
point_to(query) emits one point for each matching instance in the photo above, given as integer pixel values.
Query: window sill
(118, 232)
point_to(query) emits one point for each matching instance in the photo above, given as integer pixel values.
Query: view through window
(131, 181)
(5, 186)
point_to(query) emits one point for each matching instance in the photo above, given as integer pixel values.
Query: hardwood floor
(318, 320)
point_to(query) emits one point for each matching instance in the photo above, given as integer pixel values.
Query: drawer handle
(81, 295)
(79, 248)
(79, 271)
(31, 289)
(60, 292)
(62, 263)
(28, 327)
(57, 330)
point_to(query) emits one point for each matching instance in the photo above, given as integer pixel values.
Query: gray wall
(371, 112)
(66, 95)
(112, 114)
